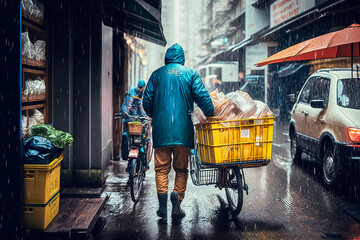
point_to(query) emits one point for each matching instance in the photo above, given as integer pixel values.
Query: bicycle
(140, 153)
(224, 148)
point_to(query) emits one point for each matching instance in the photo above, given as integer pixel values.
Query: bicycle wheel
(234, 190)
(136, 179)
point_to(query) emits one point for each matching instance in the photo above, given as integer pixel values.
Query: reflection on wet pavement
(285, 201)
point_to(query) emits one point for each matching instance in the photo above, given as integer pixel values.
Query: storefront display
(35, 72)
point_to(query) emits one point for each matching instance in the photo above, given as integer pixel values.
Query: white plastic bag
(24, 126)
(29, 87)
(31, 8)
(39, 50)
(262, 110)
(36, 86)
(26, 5)
(42, 87)
(243, 102)
(35, 11)
(26, 90)
(38, 117)
(223, 107)
(33, 87)
(27, 48)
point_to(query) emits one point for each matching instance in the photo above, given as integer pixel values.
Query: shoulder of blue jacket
(133, 92)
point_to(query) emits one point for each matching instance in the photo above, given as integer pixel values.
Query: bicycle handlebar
(120, 115)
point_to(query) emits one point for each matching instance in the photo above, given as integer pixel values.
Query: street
(82, 80)
(285, 201)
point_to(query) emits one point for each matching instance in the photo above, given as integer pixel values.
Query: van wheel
(331, 168)
(295, 150)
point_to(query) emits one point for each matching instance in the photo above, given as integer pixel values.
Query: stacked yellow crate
(41, 193)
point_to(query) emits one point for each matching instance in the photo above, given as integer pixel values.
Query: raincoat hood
(175, 54)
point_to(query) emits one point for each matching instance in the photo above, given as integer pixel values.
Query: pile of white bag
(33, 87)
(32, 51)
(234, 105)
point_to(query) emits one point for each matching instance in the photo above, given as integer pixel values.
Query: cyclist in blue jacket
(132, 106)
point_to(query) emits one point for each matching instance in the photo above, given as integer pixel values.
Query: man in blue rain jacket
(169, 99)
(132, 106)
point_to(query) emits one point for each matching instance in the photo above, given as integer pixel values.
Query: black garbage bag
(39, 150)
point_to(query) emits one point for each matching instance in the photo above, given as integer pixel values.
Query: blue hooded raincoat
(169, 99)
(133, 105)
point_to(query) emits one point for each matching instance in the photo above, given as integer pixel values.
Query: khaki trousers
(163, 156)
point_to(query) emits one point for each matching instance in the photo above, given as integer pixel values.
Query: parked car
(325, 122)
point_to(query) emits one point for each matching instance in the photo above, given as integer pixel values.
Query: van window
(348, 93)
(306, 91)
(321, 88)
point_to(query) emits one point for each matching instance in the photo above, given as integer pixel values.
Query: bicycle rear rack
(205, 176)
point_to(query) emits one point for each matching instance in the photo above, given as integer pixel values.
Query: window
(305, 93)
(321, 88)
(348, 93)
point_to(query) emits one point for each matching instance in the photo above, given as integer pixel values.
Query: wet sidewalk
(285, 201)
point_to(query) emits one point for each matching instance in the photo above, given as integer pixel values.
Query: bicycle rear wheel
(234, 190)
(136, 179)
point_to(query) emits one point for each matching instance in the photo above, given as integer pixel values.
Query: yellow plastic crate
(247, 142)
(41, 181)
(39, 216)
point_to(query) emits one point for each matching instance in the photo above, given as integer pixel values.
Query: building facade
(91, 62)
(249, 31)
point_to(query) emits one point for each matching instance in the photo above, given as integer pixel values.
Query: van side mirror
(317, 103)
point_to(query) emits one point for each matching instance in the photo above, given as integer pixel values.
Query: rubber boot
(162, 212)
(177, 213)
